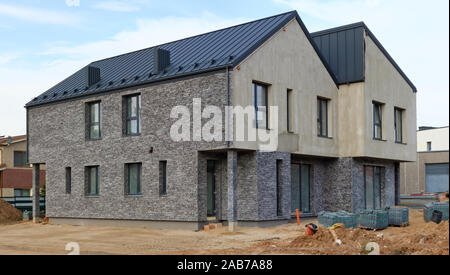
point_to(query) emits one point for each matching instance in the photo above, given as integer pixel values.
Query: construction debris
(8, 213)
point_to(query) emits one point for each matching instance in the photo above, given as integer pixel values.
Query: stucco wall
(57, 138)
(384, 84)
(288, 61)
(439, 139)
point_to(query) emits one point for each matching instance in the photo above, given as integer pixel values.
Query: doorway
(300, 188)
(211, 189)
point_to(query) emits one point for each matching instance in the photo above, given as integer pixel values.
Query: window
(429, 146)
(133, 179)
(22, 193)
(163, 178)
(20, 159)
(377, 121)
(68, 180)
(132, 115)
(94, 121)
(373, 179)
(398, 123)
(322, 117)
(279, 193)
(289, 110)
(92, 181)
(261, 106)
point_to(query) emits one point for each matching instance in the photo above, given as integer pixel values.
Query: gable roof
(343, 50)
(198, 54)
(4, 141)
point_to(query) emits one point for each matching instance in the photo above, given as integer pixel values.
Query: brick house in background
(15, 173)
(346, 120)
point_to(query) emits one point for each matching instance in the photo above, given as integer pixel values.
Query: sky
(43, 42)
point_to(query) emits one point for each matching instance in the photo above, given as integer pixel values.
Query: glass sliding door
(300, 188)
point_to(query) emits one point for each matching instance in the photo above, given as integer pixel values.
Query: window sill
(379, 139)
(132, 135)
(163, 195)
(134, 196)
(92, 197)
(401, 143)
(324, 137)
(92, 140)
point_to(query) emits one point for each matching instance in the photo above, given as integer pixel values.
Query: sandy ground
(28, 238)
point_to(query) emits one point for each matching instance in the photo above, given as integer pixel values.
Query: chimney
(161, 60)
(93, 75)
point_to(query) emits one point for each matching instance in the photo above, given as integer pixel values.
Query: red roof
(16, 138)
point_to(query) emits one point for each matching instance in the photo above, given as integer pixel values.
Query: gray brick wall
(57, 138)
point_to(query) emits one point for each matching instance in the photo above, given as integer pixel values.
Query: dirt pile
(8, 213)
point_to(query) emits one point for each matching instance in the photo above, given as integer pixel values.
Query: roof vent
(161, 60)
(93, 75)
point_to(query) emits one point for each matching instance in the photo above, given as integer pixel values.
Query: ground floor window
(92, 181)
(300, 188)
(22, 192)
(373, 179)
(133, 179)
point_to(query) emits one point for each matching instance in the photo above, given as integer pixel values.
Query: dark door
(300, 188)
(211, 188)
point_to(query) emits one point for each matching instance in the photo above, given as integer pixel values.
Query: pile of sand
(8, 213)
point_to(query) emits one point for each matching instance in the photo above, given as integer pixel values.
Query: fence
(24, 203)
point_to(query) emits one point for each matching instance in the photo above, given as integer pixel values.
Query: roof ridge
(194, 36)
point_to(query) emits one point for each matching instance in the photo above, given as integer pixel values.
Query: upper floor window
(398, 124)
(429, 147)
(132, 112)
(322, 117)
(377, 121)
(260, 95)
(289, 109)
(94, 120)
(20, 159)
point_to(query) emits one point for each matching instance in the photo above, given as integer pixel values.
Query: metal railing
(24, 203)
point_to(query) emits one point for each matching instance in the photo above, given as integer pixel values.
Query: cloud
(116, 6)
(37, 15)
(73, 3)
(148, 32)
(8, 57)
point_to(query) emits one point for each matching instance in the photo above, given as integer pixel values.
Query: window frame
(68, 180)
(128, 167)
(89, 183)
(398, 128)
(320, 119)
(163, 178)
(375, 124)
(129, 118)
(429, 146)
(265, 89)
(91, 124)
(290, 95)
(23, 159)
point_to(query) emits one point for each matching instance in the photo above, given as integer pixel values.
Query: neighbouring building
(15, 173)
(346, 120)
(429, 174)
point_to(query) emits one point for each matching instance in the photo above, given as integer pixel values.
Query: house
(429, 174)
(15, 173)
(322, 106)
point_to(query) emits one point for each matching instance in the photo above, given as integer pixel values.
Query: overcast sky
(44, 41)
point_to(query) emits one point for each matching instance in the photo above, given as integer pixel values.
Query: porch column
(232, 186)
(36, 190)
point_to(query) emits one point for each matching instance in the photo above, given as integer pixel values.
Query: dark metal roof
(343, 49)
(207, 52)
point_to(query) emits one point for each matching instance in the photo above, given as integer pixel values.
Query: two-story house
(345, 118)
(15, 173)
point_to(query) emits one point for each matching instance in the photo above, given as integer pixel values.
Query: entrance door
(300, 188)
(211, 182)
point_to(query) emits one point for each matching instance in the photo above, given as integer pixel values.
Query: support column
(36, 192)
(232, 189)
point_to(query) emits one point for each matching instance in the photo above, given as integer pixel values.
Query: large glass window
(398, 125)
(20, 159)
(133, 179)
(289, 110)
(261, 105)
(373, 181)
(94, 127)
(322, 117)
(377, 121)
(133, 115)
(92, 181)
(300, 188)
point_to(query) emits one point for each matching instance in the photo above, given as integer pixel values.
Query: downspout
(28, 162)
(228, 104)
